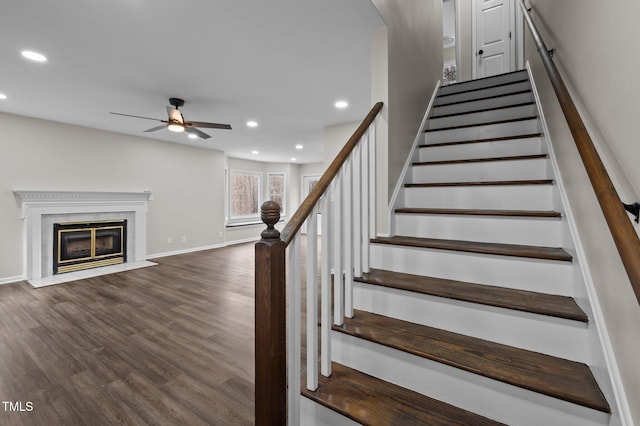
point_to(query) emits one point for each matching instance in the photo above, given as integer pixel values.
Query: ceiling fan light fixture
(175, 127)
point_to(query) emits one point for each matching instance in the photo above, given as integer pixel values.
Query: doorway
(494, 46)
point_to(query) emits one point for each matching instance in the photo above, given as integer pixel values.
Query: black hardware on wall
(634, 209)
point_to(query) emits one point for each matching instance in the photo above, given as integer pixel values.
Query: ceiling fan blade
(153, 129)
(175, 115)
(195, 131)
(137, 116)
(208, 125)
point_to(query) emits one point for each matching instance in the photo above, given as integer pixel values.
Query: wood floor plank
(559, 378)
(374, 402)
(521, 300)
(534, 252)
(169, 344)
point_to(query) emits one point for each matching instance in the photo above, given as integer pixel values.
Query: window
(244, 195)
(276, 190)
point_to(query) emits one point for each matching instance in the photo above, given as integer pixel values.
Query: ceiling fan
(177, 123)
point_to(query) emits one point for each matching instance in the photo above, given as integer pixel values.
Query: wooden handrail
(305, 209)
(621, 228)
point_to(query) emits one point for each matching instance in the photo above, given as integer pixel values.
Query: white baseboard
(201, 248)
(9, 280)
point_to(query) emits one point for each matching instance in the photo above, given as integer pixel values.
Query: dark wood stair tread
(371, 401)
(488, 123)
(481, 183)
(500, 249)
(520, 92)
(556, 377)
(480, 212)
(498, 139)
(520, 300)
(493, 86)
(481, 160)
(456, 114)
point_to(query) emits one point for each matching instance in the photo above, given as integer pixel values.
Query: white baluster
(365, 202)
(325, 293)
(348, 238)
(312, 300)
(338, 289)
(357, 211)
(293, 330)
(372, 180)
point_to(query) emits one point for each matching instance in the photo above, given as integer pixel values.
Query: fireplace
(84, 245)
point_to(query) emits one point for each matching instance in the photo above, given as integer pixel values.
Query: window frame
(283, 212)
(243, 219)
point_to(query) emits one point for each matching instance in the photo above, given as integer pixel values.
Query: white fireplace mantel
(38, 204)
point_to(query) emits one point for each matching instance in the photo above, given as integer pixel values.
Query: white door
(494, 49)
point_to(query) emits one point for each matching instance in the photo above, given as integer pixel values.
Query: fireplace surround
(41, 209)
(84, 245)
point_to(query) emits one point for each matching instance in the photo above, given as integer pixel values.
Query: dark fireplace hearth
(84, 245)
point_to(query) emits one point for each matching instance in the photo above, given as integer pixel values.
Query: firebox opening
(84, 245)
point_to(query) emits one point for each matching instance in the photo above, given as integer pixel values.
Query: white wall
(412, 63)
(591, 38)
(187, 182)
(44, 155)
(334, 138)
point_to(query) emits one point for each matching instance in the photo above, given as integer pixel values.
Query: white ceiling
(282, 63)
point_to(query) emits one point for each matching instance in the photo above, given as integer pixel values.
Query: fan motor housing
(176, 102)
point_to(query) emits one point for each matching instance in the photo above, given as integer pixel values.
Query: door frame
(516, 23)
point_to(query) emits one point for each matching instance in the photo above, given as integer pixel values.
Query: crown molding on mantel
(54, 196)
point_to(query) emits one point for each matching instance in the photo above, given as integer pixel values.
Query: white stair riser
(490, 229)
(484, 82)
(487, 397)
(531, 169)
(314, 414)
(503, 148)
(501, 101)
(544, 276)
(524, 127)
(497, 197)
(553, 336)
(521, 111)
(482, 93)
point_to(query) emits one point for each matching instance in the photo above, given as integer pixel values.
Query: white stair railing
(344, 198)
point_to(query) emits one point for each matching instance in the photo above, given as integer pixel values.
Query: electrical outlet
(220, 234)
(170, 240)
(184, 238)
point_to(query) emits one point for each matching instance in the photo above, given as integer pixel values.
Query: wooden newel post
(270, 322)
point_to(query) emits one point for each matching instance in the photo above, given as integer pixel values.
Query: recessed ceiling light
(341, 104)
(252, 123)
(254, 152)
(293, 159)
(34, 56)
(3, 96)
(299, 146)
(192, 136)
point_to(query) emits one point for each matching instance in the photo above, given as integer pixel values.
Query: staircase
(474, 311)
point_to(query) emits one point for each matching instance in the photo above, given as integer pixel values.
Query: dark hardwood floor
(171, 344)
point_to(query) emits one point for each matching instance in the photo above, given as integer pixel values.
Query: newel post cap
(270, 215)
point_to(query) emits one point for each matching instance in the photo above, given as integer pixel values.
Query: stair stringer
(397, 198)
(603, 364)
